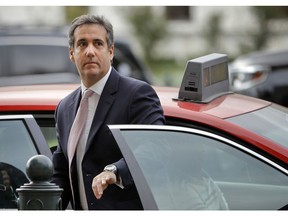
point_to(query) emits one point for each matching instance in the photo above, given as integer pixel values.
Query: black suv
(40, 56)
(262, 74)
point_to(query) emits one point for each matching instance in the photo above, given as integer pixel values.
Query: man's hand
(101, 182)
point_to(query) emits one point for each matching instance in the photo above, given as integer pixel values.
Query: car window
(16, 144)
(194, 171)
(50, 136)
(16, 148)
(46, 123)
(270, 122)
(2, 60)
(42, 57)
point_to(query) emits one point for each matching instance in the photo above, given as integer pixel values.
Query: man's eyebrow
(81, 40)
(84, 39)
(98, 39)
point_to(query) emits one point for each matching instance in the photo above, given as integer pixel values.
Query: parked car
(263, 75)
(236, 145)
(40, 56)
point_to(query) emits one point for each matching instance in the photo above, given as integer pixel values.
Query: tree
(148, 27)
(74, 11)
(213, 31)
(264, 15)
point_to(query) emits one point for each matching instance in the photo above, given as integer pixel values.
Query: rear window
(36, 59)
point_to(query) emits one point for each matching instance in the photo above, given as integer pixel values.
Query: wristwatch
(111, 168)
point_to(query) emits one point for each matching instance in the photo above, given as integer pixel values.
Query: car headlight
(246, 77)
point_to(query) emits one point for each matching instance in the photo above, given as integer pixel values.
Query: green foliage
(148, 27)
(271, 12)
(213, 31)
(74, 11)
(264, 15)
(167, 72)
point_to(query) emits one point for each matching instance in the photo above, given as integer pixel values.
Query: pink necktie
(77, 129)
(78, 124)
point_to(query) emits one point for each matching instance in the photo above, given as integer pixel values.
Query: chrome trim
(205, 133)
(4, 117)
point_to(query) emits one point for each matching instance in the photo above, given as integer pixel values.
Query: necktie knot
(87, 93)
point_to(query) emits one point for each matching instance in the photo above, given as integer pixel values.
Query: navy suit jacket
(124, 100)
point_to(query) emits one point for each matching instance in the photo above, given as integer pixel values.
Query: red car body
(44, 98)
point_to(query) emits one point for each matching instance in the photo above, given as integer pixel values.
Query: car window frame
(34, 131)
(144, 191)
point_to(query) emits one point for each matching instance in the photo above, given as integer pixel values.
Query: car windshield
(270, 122)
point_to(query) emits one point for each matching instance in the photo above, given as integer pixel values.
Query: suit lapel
(71, 111)
(106, 100)
(73, 106)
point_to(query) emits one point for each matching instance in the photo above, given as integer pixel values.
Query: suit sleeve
(61, 171)
(145, 107)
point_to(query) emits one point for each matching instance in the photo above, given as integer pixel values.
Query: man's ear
(111, 51)
(71, 55)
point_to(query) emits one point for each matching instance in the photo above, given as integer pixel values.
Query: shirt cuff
(119, 182)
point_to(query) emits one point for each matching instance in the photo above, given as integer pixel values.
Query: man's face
(91, 54)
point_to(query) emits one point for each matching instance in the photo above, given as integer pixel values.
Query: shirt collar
(99, 86)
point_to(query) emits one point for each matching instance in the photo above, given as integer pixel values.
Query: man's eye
(81, 44)
(98, 43)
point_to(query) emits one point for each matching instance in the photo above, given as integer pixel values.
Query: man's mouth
(90, 63)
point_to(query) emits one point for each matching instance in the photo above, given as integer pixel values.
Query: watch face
(111, 168)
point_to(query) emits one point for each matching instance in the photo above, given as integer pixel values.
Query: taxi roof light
(205, 78)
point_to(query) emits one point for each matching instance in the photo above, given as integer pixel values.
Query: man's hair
(91, 19)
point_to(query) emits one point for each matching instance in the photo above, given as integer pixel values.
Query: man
(96, 176)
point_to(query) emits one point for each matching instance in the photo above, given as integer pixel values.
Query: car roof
(46, 97)
(225, 106)
(33, 97)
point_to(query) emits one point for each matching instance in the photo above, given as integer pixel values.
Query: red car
(218, 150)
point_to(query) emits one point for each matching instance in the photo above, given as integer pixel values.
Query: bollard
(39, 194)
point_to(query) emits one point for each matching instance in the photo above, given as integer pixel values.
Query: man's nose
(90, 51)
